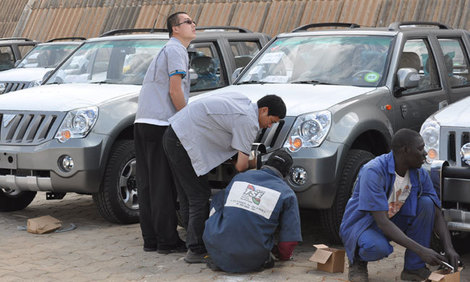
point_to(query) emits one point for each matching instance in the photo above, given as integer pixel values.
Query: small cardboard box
(328, 259)
(443, 275)
(43, 224)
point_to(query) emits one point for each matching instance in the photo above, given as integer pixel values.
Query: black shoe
(358, 271)
(210, 264)
(150, 246)
(269, 263)
(179, 248)
(416, 274)
(192, 257)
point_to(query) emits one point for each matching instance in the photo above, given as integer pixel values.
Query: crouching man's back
(239, 234)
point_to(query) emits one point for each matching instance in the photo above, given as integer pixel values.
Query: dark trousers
(193, 191)
(373, 245)
(155, 187)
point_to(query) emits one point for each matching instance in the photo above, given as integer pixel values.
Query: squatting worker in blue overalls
(394, 200)
(164, 92)
(239, 233)
(204, 134)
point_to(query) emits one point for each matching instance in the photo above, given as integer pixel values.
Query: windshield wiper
(251, 82)
(315, 82)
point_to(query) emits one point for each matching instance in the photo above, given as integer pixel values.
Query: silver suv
(74, 133)
(347, 91)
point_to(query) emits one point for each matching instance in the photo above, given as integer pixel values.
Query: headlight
(77, 124)
(34, 83)
(430, 131)
(309, 130)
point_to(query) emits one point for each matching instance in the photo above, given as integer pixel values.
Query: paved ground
(97, 250)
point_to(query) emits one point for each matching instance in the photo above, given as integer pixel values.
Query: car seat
(206, 70)
(410, 60)
(5, 61)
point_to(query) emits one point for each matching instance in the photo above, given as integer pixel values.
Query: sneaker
(210, 264)
(358, 271)
(269, 263)
(192, 257)
(419, 274)
(179, 248)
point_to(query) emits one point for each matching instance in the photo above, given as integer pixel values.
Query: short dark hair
(172, 20)
(280, 160)
(404, 138)
(275, 105)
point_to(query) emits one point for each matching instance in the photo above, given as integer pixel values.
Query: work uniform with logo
(239, 233)
(409, 200)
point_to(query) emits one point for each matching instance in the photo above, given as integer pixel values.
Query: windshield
(112, 61)
(342, 60)
(47, 56)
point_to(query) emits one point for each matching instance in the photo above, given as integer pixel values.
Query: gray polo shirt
(155, 105)
(212, 129)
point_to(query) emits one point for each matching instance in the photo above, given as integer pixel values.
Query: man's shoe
(179, 248)
(150, 246)
(192, 257)
(416, 274)
(210, 264)
(358, 271)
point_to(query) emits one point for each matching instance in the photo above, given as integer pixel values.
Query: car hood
(23, 74)
(456, 114)
(64, 97)
(299, 98)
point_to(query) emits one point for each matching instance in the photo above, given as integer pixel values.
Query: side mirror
(236, 73)
(408, 78)
(193, 77)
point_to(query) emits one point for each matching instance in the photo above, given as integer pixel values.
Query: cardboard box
(328, 259)
(443, 275)
(43, 224)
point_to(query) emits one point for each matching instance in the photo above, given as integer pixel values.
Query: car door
(414, 105)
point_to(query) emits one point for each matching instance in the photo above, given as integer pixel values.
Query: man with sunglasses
(164, 92)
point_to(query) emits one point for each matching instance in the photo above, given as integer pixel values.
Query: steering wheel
(369, 76)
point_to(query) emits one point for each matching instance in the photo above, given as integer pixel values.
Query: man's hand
(453, 258)
(440, 226)
(431, 257)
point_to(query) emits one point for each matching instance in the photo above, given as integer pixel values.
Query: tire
(11, 200)
(331, 218)
(117, 199)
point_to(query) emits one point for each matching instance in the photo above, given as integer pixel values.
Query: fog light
(66, 163)
(465, 153)
(298, 175)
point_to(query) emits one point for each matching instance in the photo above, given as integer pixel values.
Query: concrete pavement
(100, 251)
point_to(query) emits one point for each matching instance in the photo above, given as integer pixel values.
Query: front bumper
(36, 167)
(453, 187)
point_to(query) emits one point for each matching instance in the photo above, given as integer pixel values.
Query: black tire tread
(17, 202)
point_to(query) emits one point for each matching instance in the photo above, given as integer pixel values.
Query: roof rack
(397, 25)
(240, 29)
(66, 38)
(312, 25)
(16, 38)
(131, 30)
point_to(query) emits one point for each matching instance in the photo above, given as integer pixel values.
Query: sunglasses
(188, 21)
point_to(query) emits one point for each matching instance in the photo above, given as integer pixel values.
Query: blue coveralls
(239, 235)
(360, 234)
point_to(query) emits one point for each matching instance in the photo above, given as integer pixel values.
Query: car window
(46, 56)
(456, 61)
(206, 63)
(343, 60)
(244, 51)
(6, 58)
(113, 61)
(416, 54)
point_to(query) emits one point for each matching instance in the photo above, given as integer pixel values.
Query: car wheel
(12, 200)
(117, 199)
(331, 218)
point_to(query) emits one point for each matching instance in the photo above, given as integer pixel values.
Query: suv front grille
(452, 139)
(13, 86)
(28, 128)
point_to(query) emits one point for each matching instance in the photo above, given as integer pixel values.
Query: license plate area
(8, 161)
